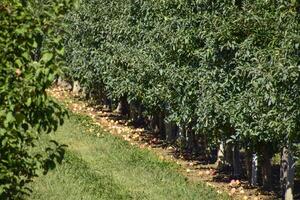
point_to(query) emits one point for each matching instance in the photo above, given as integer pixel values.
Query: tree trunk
(76, 88)
(237, 169)
(190, 139)
(228, 155)
(254, 169)
(248, 164)
(161, 125)
(106, 102)
(182, 137)
(266, 167)
(140, 118)
(133, 112)
(64, 84)
(85, 94)
(287, 173)
(220, 157)
(123, 106)
(154, 123)
(60, 81)
(171, 132)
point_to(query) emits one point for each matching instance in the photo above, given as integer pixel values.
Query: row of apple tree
(214, 75)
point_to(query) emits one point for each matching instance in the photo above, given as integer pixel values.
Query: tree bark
(220, 156)
(62, 83)
(161, 125)
(182, 137)
(133, 112)
(248, 164)
(76, 88)
(190, 139)
(266, 167)
(106, 102)
(287, 173)
(237, 168)
(228, 155)
(154, 121)
(254, 169)
(123, 106)
(171, 132)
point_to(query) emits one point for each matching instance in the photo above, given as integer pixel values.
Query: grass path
(106, 167)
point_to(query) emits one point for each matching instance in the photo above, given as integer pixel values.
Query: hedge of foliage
(223, 71)
(30, 56)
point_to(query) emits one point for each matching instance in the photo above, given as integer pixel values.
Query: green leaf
(20, 117)
(47, 57)
(29, 101)
(26, 56)
(60, 51)
(21, 30)
(10, 117)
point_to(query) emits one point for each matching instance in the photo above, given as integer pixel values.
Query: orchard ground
(92, 168)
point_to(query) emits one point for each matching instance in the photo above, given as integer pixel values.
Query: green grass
(107, 167)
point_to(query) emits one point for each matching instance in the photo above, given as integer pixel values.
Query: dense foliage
(29, 61)
(221, 70)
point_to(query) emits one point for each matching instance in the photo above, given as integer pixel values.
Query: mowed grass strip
(106, 167)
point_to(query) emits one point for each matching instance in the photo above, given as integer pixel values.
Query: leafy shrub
(30, 59)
